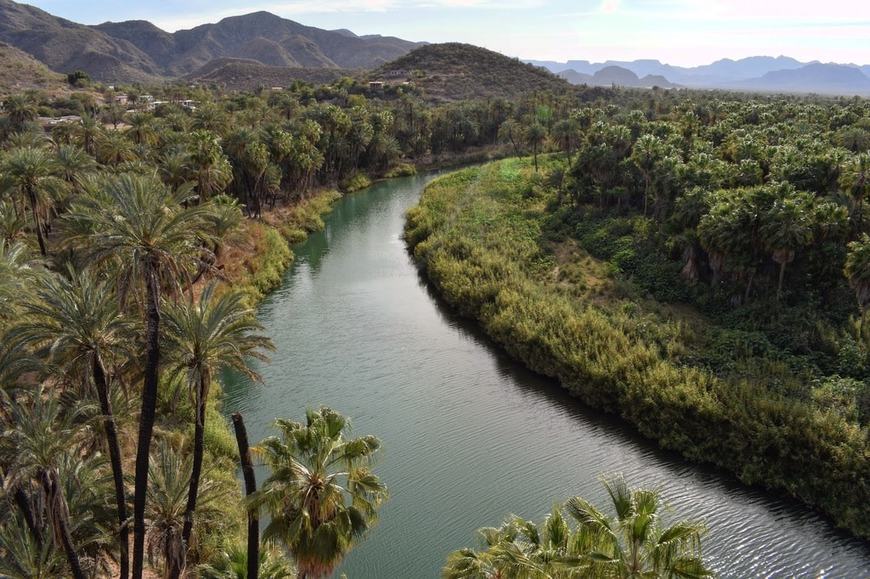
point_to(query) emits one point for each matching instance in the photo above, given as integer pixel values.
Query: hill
(241, 74)
(454, 71)
(138, 50)
(19, 71)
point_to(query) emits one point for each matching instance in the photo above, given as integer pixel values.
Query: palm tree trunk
(26, 508)
(781, 277)
(146, 417)
(250, 488)
(117, 465)
(198, 449)
(31, 196)
(60, 519)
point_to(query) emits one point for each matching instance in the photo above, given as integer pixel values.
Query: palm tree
(73, 162)
(786, 228)
(857, 269)
(23, 557)
(535, 136)
(114, 148)
(42, 436)
(233, 564)
(218, 331)
(77, 322)
(31, 173)
(167, 490)
(20, 110)
(208, 164)
(137, 223)
(89, 131)
(322, 496)
(634, 544)
(518, 549)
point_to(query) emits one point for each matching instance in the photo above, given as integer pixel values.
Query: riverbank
(477, 235)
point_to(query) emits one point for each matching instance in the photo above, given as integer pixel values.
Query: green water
(468, 435)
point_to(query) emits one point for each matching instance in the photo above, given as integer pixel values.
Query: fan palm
(77, 321)
(138, 224)
(786, 228)
(858, 269)
(218, 331)
(634, 544)
(233, 564)
(322, 496)
(32, 173)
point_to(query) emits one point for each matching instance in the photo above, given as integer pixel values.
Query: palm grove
(116, 327)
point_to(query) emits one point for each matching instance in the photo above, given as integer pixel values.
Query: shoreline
(568, 342)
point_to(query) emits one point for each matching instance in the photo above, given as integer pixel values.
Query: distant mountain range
(261, 48)
(139, 51)
(758, 73)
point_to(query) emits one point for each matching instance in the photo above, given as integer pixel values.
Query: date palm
(218, 331)
(322, 496)
(634, 543)
(20, 111)
(141, 227)
(76, 322)
(32, 173)
(43, 435)
(23, 557)
(167, 490)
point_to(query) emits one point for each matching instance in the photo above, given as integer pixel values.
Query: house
(376, 85)
(120, 99)
(398, 73)
(188, 104)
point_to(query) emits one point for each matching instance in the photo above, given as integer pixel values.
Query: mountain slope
(257, 36)
(815, 77)
(455, 71)
(241, 74)
(139, 51)
(19, 71)
(65, 46)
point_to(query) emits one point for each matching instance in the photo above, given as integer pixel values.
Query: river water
(470, 436)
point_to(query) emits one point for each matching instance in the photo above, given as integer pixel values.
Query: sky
(679, 32)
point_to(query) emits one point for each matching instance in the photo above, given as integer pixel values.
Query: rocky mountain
(137, 50)
(815, 77)
(19, 71)
(615, 75)
(787, 74)
(454, 71)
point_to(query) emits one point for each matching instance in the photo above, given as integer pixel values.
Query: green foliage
(479, 239)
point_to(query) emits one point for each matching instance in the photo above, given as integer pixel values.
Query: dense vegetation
(694, 269)
(135, 239)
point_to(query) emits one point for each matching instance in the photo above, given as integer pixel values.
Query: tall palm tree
(787, 227)
(167, 488)
(218, 331)
(857, 269)
(44, 433)
(634, 543)
(31, 173)
(76, 320)
(114, 148)
(322, 496)
(140, 226)
(208, 164)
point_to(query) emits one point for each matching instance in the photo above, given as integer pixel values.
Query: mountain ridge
(138, 50)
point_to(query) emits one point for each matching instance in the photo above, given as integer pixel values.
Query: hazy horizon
(677, 32)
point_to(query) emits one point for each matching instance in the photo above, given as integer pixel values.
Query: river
(469, 435)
